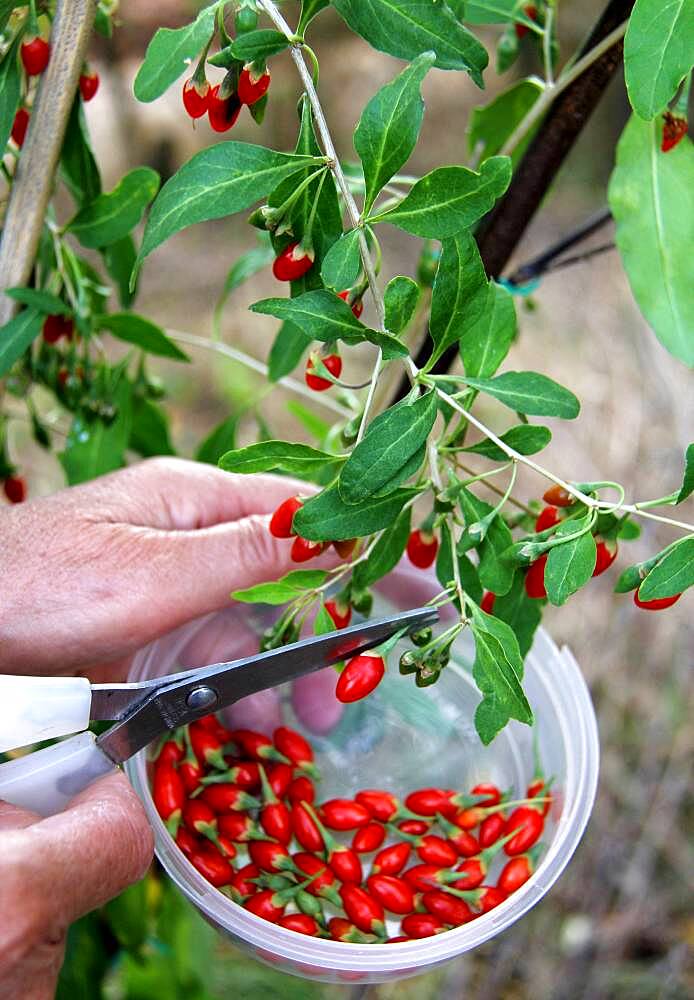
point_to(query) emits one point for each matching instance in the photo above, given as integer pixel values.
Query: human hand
(54, 870)
(99, 570)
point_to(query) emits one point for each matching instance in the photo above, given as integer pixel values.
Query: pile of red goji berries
(243, 809)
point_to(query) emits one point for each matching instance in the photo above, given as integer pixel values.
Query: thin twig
(258, 366)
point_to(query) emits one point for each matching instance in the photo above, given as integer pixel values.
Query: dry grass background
(618, 924)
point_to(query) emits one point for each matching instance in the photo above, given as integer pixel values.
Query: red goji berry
(170, 753)
(270, 857)
(342, 930)
(430, 801)
(447, 908)
(55, 327)
(357, 305)
(253, 84)
(557, 496)
(360, 677)
(281, 520)
(293, 263)
(421, 925)
(168, 795)
(212, 866)
(35, 53)
(492, 828)
(491, 793)
(333, 362)
(20, 125)
(89, 84)
(196, 97)
(391, 860)
(322, 877)
(514, 874)
(606, 553)
(257, 746)
(239, 827)
(487, 602)
(674, 130)
(274, 816)
(294, 747)
(463, 841)
(302, 923)
(414, 826)
(369, 838)
(393, 893)
(226, 798)
(341, 613)
(243, 884)
(206, 746)
(305, 829)
(344, 814)
(200, 818)
(222, 112)
(422, 877)
(528, 824)
(490, 897)
(547, 519)
(422, 547)
(536, 788)
(658, 604)
(381, 805)
(365, 912)
(191, 775)
(264, 904)
(301, 790)
(302, 549)
(535, 579)
(187, 841)
(346, 547)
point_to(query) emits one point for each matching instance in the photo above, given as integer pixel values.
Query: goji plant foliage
(413, 476)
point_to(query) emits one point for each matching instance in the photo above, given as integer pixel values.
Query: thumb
(86, 855)
(197, 571)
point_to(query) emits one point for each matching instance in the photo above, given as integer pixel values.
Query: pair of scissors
(33, 709)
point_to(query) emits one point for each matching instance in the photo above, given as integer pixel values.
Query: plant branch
(604, 506)
(355, 216)
(258, 366)
(33, 180)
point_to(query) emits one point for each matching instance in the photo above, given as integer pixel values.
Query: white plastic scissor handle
(33, 709)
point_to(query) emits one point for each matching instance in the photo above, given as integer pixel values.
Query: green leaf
(495, 572)
(282, 456)
(406, 28)
(449, 199)
(258, 45)
(391, 439)
(110, 217)
(170, 53)
(16, 335)
(284, 590)
(245, 266)
(491, 125)
(10, 88)
(386, 553)
(672, 574)
(658, 53)
(149, 433)
(651, 197)
(78, 167)
(137, 330)
(94, 448)
(220, 440)
(39, 299)
(490, 718)
(492, 12)
(119, 259)
(498, 661)
(322, 316)
(485, 342)
(389, 127)
(688, 480)
(309, 9)
(407, 471)
(218, 181)
(460, 292)
(327, 517)
(529, 392)
(527, 439)
(633, 576)
(520, 612)
(400, 299)
(285, 353)
(342, 262)
(570, 565)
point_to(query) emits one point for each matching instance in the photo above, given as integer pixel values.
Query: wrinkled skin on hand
(97, 571)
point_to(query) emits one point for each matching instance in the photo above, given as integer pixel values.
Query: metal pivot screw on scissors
(40, 708)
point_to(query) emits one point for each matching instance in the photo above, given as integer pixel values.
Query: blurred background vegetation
(618, 924)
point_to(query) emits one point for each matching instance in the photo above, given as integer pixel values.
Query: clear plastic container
(400, 738)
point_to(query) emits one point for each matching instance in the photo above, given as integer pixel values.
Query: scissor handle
(46, 780)
(33, 709)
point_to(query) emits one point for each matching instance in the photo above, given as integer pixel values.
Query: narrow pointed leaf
(141, 332)
(569, 566)
(487, 340)
(527, 439)
(460, 292)
(400, 300)
(688, 480)
(342, 262)
(170, 52)
(110, 217)
(281, 456)
(672, 574)
(385, 554)
(530, 392)
(658, 53)
(327, 517)
(16, 335)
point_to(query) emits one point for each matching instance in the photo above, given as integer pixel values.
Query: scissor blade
(169, 706)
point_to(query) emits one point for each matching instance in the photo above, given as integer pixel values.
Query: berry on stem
(35, 53)
(222, 112)
(196, 98)
(333, 362)
(293, 263)
(357, 305)
(253, 84)
(606, 553)
(487, 602)
(535, 579)
(658, 604)
(557, 496)
(57, 326)
(369, 838)
(360, 677)
(340, 613)
(345, 548)
(674, 130)
(422, 547)
(89, 84)
(281, 520)
(15, 489)
(20, 126)
(302, 549)
(549, 516)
